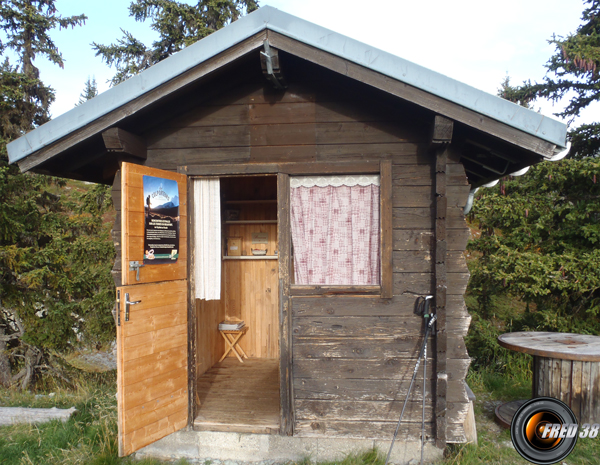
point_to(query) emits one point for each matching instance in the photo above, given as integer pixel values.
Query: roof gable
(439, 93)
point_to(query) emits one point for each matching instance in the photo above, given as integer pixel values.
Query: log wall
(353, 356)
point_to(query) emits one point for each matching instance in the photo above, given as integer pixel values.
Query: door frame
(286, 413)
(192, 318)
(284, 244)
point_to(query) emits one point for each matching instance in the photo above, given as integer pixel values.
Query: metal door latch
(118, 308)
(135, 266)
(127, 304)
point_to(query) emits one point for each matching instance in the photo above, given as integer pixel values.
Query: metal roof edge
(422, 78)
(311, 34)
(135, 86)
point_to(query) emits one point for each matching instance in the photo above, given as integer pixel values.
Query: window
(335, 225)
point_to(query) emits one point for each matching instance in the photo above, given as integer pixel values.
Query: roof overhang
(500, 118)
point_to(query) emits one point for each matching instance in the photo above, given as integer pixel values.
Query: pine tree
(89, 91)
(540, 241)
(177, 24)
(55, 285)
(27, 24)
(513, 94)
(574, 69)
(540, 233)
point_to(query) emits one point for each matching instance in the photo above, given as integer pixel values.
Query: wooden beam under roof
(442, 130)
(120, 141)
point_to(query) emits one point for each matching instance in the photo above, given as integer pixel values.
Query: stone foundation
(267, 449)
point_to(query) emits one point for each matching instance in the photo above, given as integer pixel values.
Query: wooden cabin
(244, 128)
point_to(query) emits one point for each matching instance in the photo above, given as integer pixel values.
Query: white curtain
(207, 233)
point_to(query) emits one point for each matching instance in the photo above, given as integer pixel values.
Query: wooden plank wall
(252, 124)
(251, 294)
(458, 317)
(353, 356)
(116, 229)
(244, 231)
(239, 298)
(209, 343)
(251, 286)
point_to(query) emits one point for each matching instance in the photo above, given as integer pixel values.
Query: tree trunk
(5, 376)
(32, 359)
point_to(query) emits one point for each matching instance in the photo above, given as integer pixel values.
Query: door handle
(127, 304)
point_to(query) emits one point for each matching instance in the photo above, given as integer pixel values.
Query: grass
(369, 457)
(89, 437)
(494, 445)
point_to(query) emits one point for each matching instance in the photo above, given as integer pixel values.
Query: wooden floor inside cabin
(238, 397)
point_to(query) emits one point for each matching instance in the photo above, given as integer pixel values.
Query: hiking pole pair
(422, 308)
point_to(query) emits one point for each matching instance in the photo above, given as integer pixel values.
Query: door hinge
(135, 266)
(118, 308)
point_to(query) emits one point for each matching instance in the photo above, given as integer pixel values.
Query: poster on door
(161, 220)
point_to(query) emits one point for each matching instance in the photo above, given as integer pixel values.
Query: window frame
(385, 288)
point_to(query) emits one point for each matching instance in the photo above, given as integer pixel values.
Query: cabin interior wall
(209, 343)
(249, 287)
(251, 282)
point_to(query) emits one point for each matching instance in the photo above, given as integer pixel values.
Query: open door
(152, 333)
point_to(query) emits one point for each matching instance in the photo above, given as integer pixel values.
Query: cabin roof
(550, 133)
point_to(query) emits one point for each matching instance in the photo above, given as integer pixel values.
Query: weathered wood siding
(353, 356)
(252, 124)
(458, 277)
(116, 229)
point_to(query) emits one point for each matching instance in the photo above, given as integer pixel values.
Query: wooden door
(152, 333)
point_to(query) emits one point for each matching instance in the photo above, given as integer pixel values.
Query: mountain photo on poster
(161, 220)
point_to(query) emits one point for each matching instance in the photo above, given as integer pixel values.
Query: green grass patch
(490, 449)
(369, 457)
(49, 392)
(89, 437)
(491, 385)
(495, 449)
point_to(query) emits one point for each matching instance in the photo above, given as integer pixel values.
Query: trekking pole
(422, 307)
(426, 311)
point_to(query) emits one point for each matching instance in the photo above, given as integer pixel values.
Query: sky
(473, 41)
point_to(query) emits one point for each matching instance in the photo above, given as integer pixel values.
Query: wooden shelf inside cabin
(242, 202)
(252, 222)
(250, 257)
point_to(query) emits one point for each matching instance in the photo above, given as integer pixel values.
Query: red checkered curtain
(335, 229)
